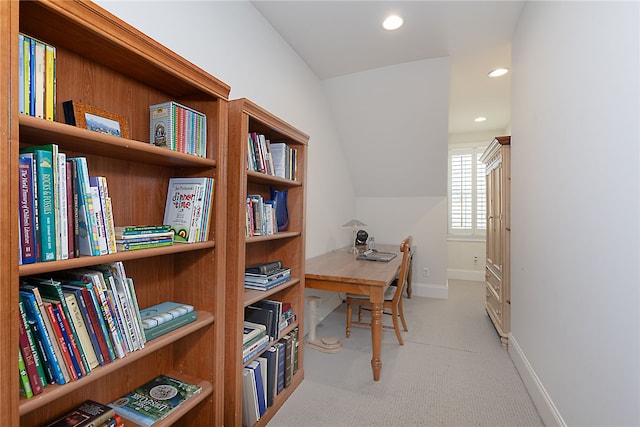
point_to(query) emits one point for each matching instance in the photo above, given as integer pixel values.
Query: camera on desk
(364, 241)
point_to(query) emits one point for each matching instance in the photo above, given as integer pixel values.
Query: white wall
(575, 210)
(232, 41)
(394, 122)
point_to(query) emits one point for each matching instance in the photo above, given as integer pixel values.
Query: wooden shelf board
(85, 141)
(85, 261)
(253, 295)
(263, 178)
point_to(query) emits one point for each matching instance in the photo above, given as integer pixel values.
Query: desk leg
(376, 333)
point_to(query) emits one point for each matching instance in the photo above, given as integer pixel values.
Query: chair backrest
(405, 248)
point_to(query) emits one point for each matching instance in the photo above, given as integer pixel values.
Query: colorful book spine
(88, 243)
(26, 52)
(71, 346)
(90, 320)
(82, 331)
(178, 128)
(62, 226)
(25, 385)
(46, 205)
(49, 326)
(45, 333)
(29, 359)
(50, 83)
(21, 74)
(27, 211)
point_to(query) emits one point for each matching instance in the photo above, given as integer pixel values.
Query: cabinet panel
(497, 271)
(287, 246)
(105, 63)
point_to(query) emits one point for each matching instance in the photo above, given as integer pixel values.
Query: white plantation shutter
(467, 204)
(481, 192)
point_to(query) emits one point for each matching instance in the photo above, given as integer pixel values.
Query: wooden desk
(339, 271)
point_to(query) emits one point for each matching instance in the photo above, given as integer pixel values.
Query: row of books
(267, 376)
(36, 78)
(272, 158)
(75, 321)
(260, 216)
(178, 128)
(64, 212)
(146, 405)
(188, 208)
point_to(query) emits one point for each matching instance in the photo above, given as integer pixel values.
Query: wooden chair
(392, 304)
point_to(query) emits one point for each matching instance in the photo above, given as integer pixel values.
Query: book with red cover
(29, 358)
(68, 338)
(64, 349)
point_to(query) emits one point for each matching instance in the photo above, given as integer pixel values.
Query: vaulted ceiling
(336, 38)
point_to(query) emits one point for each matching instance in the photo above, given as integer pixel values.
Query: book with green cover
(171, 325)
(46, 203)
(154, 400)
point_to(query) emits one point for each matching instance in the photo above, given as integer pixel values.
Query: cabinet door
(495, 218)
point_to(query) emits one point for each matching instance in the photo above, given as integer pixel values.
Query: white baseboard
(430, 291)
(453, 273)
(541, 399)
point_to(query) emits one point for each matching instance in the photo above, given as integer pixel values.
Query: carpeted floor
(452, 371)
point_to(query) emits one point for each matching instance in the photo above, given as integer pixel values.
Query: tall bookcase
(104, 62)
(288, 246)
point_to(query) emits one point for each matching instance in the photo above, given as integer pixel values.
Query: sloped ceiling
(368, 72)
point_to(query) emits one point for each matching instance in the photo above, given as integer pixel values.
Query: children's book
(154, 400)
(183, 208)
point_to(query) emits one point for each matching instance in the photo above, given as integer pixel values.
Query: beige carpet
(452, 371)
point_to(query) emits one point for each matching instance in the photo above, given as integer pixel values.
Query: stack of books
(72, 323)
(36, 78)
(254, 340)
(265, 276)
(134, 237)
(178, 128)
(166, 317)
(188, 208)
(155, 400)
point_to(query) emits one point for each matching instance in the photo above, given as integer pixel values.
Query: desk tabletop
(342, 266)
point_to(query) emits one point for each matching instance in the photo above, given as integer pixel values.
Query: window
(467, 202)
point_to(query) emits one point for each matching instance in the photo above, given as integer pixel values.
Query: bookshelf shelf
(254, 295)
(85, 261)
(103, 62)
(75, 139)
(54, 391)
(287, 246)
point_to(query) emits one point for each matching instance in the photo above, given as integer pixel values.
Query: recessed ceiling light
(480, 119)
(392, 22)
(498, 72)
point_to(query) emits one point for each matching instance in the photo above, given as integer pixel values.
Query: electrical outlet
(475, 259)
(425, 271)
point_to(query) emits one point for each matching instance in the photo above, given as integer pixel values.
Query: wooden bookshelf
(288, 246)
(103, 62)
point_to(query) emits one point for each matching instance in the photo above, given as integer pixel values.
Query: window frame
(477, 173)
